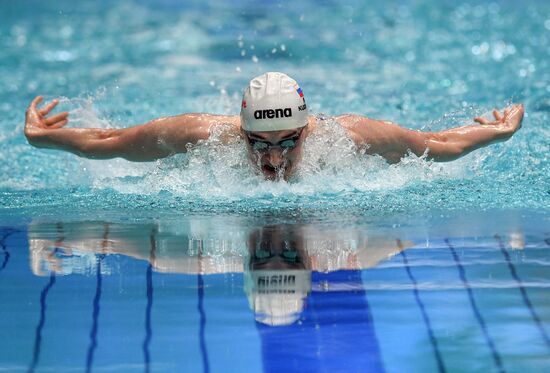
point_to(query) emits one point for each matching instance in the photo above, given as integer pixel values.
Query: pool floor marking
(325, 339)
(43, 296)
(148, 308)
(96, 302)
(7, 233)
(41, 322)
(200, 290)
(96, 307)
(425, 317)
(462, 273)
(523, 291)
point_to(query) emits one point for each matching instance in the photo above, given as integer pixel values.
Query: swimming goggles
(263, 146)
(263, 253)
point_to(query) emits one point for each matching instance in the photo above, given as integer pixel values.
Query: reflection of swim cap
(273, 102)
(277, 296)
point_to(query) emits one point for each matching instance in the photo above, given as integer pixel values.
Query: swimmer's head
(273, 102)
(273, 120)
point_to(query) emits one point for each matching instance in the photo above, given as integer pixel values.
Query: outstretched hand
(509, 120)
(37, 120)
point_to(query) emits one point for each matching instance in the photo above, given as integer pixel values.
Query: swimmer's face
(277, 247)
(275, 153)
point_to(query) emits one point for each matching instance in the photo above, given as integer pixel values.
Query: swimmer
(274, 124)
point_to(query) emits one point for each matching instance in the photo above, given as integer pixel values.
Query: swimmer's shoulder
(233, 121)
(311, 124)
(351, 121)
(208, 122)
(226, 127)
(363, 129)
(200, 125)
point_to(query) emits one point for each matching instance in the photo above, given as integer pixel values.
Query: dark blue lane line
(148, 329)
(433, 340)
(96, 307)
(43, 296)
(462, 273)
(148, 332)
(523, 292)
(200, 290)
(7, 232)
(204, 352)
(41, 322)
(547, 240)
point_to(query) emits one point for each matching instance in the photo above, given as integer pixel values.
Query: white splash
(212, 169)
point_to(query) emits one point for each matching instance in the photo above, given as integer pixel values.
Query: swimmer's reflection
(277, 260)
(278, 275)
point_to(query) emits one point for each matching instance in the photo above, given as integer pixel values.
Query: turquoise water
(425, 66)
(419, 266)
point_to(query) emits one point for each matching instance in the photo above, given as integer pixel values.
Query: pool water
(195, 263)
(424, 65)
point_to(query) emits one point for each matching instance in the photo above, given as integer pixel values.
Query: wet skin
(164, 137)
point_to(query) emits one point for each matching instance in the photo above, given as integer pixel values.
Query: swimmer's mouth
(269, 171)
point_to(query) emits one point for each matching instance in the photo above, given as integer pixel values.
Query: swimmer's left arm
(393, 142)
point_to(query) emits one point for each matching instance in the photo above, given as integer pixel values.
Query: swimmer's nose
(275, 157)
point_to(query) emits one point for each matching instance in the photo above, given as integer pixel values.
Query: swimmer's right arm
(156, 139)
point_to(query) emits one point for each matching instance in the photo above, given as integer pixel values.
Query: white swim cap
(273, 102)
(277, 297)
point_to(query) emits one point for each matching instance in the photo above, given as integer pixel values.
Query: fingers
(59, 124)
(56, 118)
(36, 101)
(515, 109)
(508, 115)
(31, 110)
(481, 120)
(46, 109)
